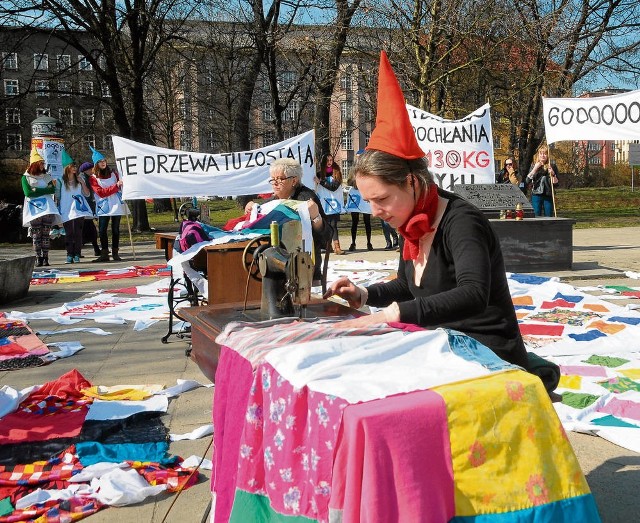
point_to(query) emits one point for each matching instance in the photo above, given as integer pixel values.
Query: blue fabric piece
(625, 319)
(92, 452)
(472, 350)
(592, 334)
(528, 278)
(571, 510)
(567, 297)
(526, 307)
(612, 421)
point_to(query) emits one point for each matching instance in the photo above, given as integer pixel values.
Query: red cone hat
(393, 132)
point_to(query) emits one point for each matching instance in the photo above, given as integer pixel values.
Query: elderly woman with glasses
(285, 175)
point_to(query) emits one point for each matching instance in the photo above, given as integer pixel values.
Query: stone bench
(15, 276)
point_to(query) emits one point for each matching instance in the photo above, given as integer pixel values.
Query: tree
(125, 38)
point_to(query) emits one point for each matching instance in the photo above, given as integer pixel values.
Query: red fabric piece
(540, 330)
(393, 461)
(67, 386)
(419, 223)
(126, 290)
(235, 221)
(12, 350)
(557, 303)
(116, 276)
(21, 426)
(631, 293)
(393, 132)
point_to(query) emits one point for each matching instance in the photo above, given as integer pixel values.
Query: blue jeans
(389, 232)
(542, 205)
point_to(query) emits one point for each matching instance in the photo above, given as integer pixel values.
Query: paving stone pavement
(599, 256)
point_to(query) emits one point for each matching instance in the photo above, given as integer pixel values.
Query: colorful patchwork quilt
(46, 276)
(64, 454)
(384, 424)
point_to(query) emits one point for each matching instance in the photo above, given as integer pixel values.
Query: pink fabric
(287, 445)
(233, 381)
(393, 461)
(557, 303)
(583, 370)
(622, 409)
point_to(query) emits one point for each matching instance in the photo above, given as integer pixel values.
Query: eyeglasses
(279, 181)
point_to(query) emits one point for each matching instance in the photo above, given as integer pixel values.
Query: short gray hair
(286, 166)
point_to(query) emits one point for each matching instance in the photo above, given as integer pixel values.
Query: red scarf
(419, 223)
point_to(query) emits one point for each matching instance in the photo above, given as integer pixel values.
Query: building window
(40, 62)
(12, 115)
(185, 140)
(497, 142)
(346, 111)
(42, 87)
(64, 88)
(345, 82)
(367, 137)
(42, 111)
(291, 112)
(346, 141)
(90, 140)
(84, 64)
(367, 114)
(267, 112)
(107, 115)
(289, 134)
(11, 88)
(86, 88)
(107, 142)
(211, 142)
(87, 116)
(64, 62)
(268, 138)
(595, 160)
(14, 142)
(106, 92)
(346, 165)
(10, 61)
(287, 80)
(66, 116)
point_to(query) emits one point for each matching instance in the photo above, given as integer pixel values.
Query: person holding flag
(543, 177)
(107, 186)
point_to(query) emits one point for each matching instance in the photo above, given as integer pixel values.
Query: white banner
(601, 118)
(155, 172)
(458, 151)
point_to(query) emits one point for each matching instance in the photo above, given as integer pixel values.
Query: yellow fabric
(122, 392)
(509, 451)
(76, 279)
(570, 382)
(595, 307)
(522, 300)
(634, 374)
(35, 156)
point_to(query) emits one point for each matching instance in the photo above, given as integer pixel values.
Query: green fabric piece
(6, 507)
(578, 400)
(606, 361)
(612, 421)
(253, 507)
(619, 288)
(622, 384)
(547, 371)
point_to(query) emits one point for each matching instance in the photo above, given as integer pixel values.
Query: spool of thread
(275, 234)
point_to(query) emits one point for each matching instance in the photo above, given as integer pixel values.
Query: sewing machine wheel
(251, 251)
(184, 209)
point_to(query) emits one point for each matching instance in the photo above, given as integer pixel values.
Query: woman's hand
(345, 289)
(313, 208)
(119, 184)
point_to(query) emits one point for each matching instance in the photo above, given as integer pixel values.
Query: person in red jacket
(110, 207)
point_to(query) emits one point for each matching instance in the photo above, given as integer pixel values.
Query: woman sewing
(451, 272)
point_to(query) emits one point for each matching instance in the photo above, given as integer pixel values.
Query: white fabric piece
(92, 330)
(182, 386)
(64, 349)
(200, 432)
(97, 470)
(141, 325)
(123, 487)
(193, 461)
(362, 368)
(632, 275)
(10, 398)
(104, 410)
(42, 496)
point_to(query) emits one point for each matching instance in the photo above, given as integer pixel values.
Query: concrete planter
(15, 276)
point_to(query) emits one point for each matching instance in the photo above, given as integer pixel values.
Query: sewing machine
(286, 274)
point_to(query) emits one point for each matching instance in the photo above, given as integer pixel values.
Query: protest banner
(156, 172)
(458, 151)
(613, 117)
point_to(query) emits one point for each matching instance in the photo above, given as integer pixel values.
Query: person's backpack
(191, 233)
